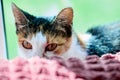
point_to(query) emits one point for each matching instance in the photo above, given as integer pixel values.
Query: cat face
(39, 36)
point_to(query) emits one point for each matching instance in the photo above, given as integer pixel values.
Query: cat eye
(51, 47)
(26, 45)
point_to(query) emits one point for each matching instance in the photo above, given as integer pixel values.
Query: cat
(54, 36)
(106, 39)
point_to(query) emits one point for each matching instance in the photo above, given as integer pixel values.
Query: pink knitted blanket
(93, 67)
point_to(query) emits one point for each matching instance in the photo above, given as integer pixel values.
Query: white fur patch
(85, 37)
(37, 42)
(75, 50)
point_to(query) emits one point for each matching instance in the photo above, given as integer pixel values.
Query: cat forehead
(32, 28)
(35, 39)
(43, 26)
(39, 38)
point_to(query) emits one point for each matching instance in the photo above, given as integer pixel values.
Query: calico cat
(47, 36)
(54, 36)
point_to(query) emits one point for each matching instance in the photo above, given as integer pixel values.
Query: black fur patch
(106, 39)
(47, 24)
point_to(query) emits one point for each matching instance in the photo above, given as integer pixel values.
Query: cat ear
(66, 16)
(19, 16)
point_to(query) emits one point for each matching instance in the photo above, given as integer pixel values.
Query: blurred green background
(87, 13)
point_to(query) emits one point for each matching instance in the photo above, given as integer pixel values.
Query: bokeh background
(87, 13)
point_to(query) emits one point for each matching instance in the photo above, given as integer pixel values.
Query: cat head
(40, 36)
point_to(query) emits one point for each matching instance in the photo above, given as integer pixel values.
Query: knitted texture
(93, 67)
